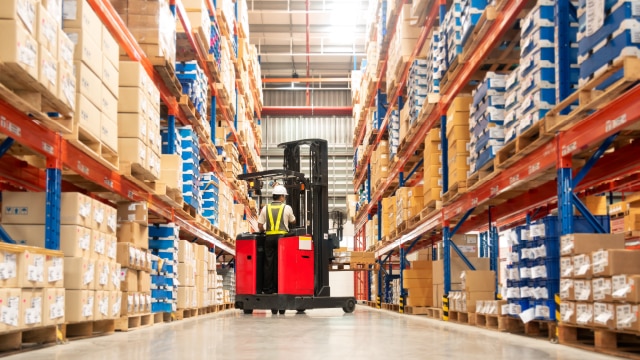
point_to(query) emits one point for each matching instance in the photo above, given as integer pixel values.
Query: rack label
(82, 168)
(568, 149)
(615, 123)
(514, 179)
(13, 128)
(534, 167)
(47, 147)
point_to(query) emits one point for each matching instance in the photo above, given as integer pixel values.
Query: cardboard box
(112, 247)
(457, 267)
(48, 70)
(170, 170)
(79, 273)
(111, 214)
(9, 265)
(420, 301)
(87, 52)
(131, 257)
(67, 86)
(566, 289)
(79, 14)
(134, 233)
(417, 283)
(133, 100)
(66, 49)
(55, 270)
(581, 265)
(602, 289)
(98, 218)
(566, 266)
(23, 11)
(127, 304)
(109, 106)
(625, 288)
(101, 305)
(31, 308)
(587, 243)
(627, 317)
(103, 275)
(185, 300)
(144, 281)
(29, 208)
(108, 133)
(472, 299)
(79, 305)
(115, 304)
(110, 79)
(129, 279)
(110, 49)
(604, 315)
(568, 312)
(201, 252)
(133, 75)
(615, 262)
(418, 273)
(133, 151)
(99, 244)
(88, 83)
(478, 281)
(75, 240)
(186, 274)
(185, 251)
(584, 314)
(145, 302)
(47, 31)
(87, 115)
(53, 306)
(133, 126)
(581, 291)
(11, 313)
(136, 212)
(19, 47)
(32, 268)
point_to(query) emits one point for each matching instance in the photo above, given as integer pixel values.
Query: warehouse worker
(274, 219)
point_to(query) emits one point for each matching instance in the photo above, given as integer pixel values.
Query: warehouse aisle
(321, 334)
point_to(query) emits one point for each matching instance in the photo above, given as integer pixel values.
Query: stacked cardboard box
(418, 281)
(152, 24)
(226, 210)
(37, 56)
(200, 21)
(379, 164)
(96, 70)
(202, 276)
(213, 277)
(491, 307)
(219, 290)
(432, 189)
(31, 288)
(589, 265)
(479, 285)
(401, 46)
(139, 141)
(458, 136)
(409, 203)
(163, 242)
(388, 215)
(187, 293)
(87, 240)
(134, 259)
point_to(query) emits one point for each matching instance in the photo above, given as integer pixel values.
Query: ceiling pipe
(307, 111)
(307, 3)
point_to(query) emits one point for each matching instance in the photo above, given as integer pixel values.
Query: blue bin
(157, 307)
(162, 244)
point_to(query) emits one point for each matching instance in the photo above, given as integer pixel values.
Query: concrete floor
(367, 334)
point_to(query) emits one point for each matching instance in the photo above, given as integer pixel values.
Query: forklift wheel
(301, 311)
(350, 307)
(248, 311)
(282, 312)
(274, 311)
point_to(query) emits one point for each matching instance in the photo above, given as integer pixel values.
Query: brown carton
(11, 313)
(417, 274)
(457, 267)
(615, 262)
(9, 266)
(137, 212)
(131, 257)
(115, 304)
(625, 288)
(582, 266)
(79, 273)
(582, 291)
(53, 306)
(129, 305)
(604, 315)
(584, 314)
(99, 243)
(566, 289)
(32, 268)
(100, 305)
(144, 281)
(32, 307)
(19, 47)
(587, 243)
(417, 283)
(568, 312)
(627, 317)
(103, 277)
(29, 208)
(602, 289)
(472, 299)
(134, 233)
(479, 281)
(79, 305)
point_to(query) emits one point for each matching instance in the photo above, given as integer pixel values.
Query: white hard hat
(280, 190)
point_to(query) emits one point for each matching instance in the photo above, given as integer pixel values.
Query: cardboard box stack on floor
(96, 67)
(388, 216)
(468, 244)
(432, 189)
(134, 258)
(598, 281)
(479, 285)
(139, 140)
(187, 293)
(88, 242)
(458, 136)
(418, 280)
(212, 284)
(202, 276)
(31, 287)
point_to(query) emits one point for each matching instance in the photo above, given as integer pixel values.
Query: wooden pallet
(391, 307)
(182, 314)
(167, 73)
(484, 174)
(169, 195)
(462, 317)
(87, 329)
(492, 322)
(139, 175)
(91, 145)
(590, 99)
(207, 310)
(610, 342)
(545, 329)
(416, 310)
(134, 322)
(434, 313)
(526, 143)
(158, 317)
(351, 267)
(30, 97)
(455, 190)
(15, 342)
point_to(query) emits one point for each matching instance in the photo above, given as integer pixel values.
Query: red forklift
(303, 253)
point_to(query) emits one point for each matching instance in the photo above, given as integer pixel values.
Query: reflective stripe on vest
(273, 229)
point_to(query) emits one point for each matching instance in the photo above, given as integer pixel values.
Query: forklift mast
(317, 206)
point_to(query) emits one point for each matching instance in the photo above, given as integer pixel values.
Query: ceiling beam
(306, 80)
(287, 28)
(299, 6)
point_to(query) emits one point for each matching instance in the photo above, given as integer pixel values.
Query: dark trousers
(270, 284)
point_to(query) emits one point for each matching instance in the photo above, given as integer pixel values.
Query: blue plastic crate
(540, 37)
(161, 294)
(157, 307)
(162, 244)
(553, 267)
(163, 231)
(167, 255)
(170, 269)
(543, 15)
(158, 280)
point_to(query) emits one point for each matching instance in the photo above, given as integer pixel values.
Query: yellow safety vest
(273, 229)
